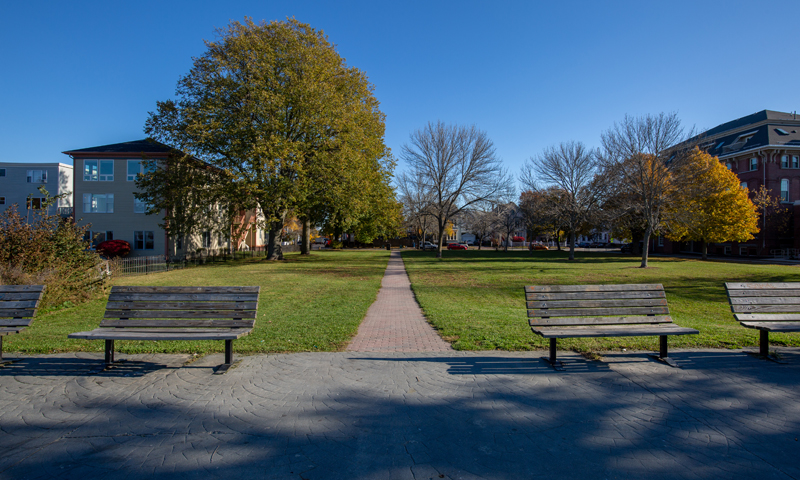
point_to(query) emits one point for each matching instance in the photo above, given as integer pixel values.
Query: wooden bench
(176, 313)
(767, 307)
(572, 311)
(18, 304)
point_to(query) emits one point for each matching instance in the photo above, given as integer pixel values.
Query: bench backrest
(18, 304)
(765, 302)
(570, 305)
(182, 307)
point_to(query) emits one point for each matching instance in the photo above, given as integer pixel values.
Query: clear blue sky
(531, 74)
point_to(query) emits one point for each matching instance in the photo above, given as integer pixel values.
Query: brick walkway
(395, 323)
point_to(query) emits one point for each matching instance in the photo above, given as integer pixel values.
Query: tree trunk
(704, 249)
(441, 239)
(274, 251)
(645, 249)
(572, 245)
(305, 243)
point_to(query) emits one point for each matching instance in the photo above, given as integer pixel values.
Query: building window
(2, 200)
(753, 164)
(35, 203)
(135, 167)
(102, 170)
(795, 161)
(728, 250)
(660, 241)
(785, 190)
(98, 203)
(143, 240)
(784, 161)
(206, 239)
(37, 176)
(2, 172)
(98, 237)
(729, 166)
(744, 185)
(140, 206)
(179, 243)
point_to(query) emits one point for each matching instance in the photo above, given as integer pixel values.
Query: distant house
(104, 187)
(762, 149)
(20, 182)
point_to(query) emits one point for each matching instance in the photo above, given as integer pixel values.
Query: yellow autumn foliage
(710, 204)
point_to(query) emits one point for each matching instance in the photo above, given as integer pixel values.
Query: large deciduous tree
(293, 128)
(711, 206)
(458, 168)
(573, 169)
(637, 153)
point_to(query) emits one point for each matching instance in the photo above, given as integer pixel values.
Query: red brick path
(395, 323)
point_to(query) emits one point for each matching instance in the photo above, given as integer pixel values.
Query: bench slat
(766, 301)
(22, 288)
(762, 286)
(179, 314)
(565, 321)
(221, 323)
(160, 334)
(767, 317)
(774, 326)
(16, 296)
(183, 305)
(591, 288)
(530, 297)
(762, 293)
(147, 289)
(181, 297)
(648, 302)
(8, 331)
(764, 308)
(15, 322)
(4, 306)
(16, 313)
(571, 312)
(611, 331)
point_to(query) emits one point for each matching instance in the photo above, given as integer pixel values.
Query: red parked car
(457, 246)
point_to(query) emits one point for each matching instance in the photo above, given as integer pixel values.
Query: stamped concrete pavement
(355, 415)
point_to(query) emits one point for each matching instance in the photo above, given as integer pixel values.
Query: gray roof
(768, 128)
(146, 145)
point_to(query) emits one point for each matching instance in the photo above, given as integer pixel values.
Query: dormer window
(781, 131)
(743, 138)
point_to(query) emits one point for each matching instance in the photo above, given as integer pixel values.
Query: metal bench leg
(228, 352)
(109, 352)
(552, 359)
(663, 352)
(228, 358)
(763, 343)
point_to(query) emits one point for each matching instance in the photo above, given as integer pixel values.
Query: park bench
(573, 311)
(18, 304)
(767, 307)
(176, 313)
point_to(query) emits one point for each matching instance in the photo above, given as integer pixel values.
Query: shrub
(47, 250)
(114, 248)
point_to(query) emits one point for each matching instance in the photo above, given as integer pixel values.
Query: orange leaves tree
(709, 206)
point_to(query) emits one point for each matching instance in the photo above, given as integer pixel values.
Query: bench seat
(766, 307)
(586, 311)
(176, 313)
(18, 305)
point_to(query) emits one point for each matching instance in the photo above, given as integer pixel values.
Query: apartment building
(104, 186)
(20, 182)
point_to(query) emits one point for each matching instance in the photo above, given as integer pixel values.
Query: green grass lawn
(476, 299)
(312, 303)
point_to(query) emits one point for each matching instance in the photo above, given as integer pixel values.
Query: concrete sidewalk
(348, 415)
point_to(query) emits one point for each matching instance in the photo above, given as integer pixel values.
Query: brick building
(762, 149)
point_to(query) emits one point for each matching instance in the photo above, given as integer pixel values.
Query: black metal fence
(123, 267)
